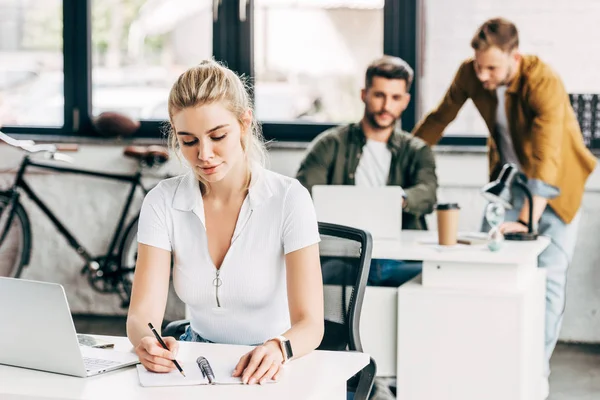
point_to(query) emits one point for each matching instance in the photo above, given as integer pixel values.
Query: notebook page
(193, 376)
(223, 370)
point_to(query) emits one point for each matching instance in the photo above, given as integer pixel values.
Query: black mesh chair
(345, 259)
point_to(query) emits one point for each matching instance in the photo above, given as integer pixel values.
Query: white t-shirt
(505, 143)
(373, 168)
(277, 217)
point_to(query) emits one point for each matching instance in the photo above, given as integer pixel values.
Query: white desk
(469, 328)
(319, 375)
(415, 245)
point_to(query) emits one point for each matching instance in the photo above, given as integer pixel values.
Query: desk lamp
(500, 191)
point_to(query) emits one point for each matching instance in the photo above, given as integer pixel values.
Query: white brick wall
(563, 33)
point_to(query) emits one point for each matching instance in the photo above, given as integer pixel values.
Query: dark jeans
(392, 273)
(388, 273)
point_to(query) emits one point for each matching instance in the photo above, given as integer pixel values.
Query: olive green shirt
(333, 157)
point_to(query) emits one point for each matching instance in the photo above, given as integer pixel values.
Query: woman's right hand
(154, 357)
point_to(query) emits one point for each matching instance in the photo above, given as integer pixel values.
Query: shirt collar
(515, 84)
(188, 196)
(259, 190)
(394, 142)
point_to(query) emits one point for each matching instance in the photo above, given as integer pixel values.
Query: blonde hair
(211, 82)
(496, 32)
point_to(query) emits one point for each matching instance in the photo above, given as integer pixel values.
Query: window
(70, 60)
(310, 57)
(564, 34)
(31, 71)
(139, 48)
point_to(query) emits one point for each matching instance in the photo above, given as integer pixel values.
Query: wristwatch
(286, 348)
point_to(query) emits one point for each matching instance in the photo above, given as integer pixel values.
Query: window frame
(75, 17)
(232, 44)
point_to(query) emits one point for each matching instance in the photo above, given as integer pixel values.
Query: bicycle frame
(134, 180)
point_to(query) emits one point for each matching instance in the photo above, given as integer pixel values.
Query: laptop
(37, 332)
(377, 210)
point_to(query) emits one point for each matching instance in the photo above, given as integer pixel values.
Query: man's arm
(316, 166)
(431, 128)
(547, 103)
(422, 196)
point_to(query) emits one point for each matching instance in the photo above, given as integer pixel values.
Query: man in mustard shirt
(532, 124)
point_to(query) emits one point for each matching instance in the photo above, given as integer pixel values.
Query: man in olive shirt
(376, 152)
(532, 125)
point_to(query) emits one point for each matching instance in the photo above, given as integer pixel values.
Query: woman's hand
(507, 227)
(261, 364)
(154, 357)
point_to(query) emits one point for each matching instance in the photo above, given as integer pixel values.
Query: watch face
(288, 348)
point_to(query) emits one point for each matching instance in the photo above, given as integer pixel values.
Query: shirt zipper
(217, 282)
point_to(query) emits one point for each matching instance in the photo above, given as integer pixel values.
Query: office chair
(345, 255)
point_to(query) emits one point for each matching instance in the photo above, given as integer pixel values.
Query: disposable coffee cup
(447, 223)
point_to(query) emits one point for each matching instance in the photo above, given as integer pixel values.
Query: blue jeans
(389, 273)
(555, 260)
(191, 336)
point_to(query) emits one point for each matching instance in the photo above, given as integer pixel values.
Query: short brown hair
(496, 32)
(391, 68)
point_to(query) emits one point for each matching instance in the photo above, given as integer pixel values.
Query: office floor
(575, 368)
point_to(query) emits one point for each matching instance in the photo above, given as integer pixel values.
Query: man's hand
(509, 227)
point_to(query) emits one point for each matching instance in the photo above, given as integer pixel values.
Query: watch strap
(285, 346)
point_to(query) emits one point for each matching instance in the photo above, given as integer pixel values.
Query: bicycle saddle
(151, 155)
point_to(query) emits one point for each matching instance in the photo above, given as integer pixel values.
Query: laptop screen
(374, 209)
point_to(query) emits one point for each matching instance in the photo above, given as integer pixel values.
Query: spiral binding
(206, 369)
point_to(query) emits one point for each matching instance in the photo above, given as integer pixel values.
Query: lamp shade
(499, 191)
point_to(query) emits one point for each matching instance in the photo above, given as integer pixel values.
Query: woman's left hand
(261, 364)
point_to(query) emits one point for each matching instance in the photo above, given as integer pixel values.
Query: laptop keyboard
(92, 364)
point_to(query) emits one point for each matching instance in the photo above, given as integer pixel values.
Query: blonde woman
(244, 239)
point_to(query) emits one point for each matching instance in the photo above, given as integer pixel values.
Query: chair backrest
(345, 255)
(587, 110)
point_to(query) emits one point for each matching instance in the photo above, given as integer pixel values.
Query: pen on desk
(164, 346)
(206, 369)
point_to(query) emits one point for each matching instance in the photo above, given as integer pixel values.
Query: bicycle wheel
(128, 257)
(15, 238)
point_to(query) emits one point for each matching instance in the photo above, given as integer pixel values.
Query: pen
(164, 346)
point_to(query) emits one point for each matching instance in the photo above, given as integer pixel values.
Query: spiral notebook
(193, 375)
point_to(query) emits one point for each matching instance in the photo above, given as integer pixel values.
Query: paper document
(466, 241)
(193, 375)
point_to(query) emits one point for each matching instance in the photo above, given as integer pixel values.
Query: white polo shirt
(277, 217)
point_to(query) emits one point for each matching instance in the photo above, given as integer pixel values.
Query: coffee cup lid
(447, 206)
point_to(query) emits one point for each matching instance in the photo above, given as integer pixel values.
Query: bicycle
(111, 272)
